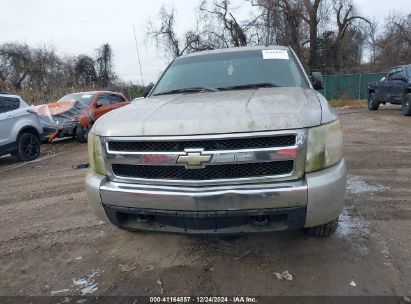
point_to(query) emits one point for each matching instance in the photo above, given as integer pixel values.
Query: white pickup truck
(227, 142)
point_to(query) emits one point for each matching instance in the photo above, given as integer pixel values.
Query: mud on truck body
(227, 142)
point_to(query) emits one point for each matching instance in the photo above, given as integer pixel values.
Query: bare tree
(314, 12)
(394, 44)
(372, 39)
(164, 34)
(346, 17)
(16, 63)
(105, 65)
(166, 39)
(40, 75)
(85, 71)
(232, 33)
(280, 22)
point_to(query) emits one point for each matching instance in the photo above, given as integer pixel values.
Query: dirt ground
(51, 244)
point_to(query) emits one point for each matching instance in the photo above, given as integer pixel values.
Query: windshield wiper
(188, 90)
(250, 86)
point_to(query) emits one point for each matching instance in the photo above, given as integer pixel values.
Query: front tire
(82, 133)
(406, 105)
(325, 230)
(373, 104)
(28, 147)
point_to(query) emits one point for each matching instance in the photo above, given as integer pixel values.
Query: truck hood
(265, 109)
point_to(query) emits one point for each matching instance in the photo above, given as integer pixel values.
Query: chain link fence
(351, 86)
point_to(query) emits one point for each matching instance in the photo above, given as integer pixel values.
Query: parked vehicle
(20, 128)
(74, 114)
(394, 89)
(227, 142)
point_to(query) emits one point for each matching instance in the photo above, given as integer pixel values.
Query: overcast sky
(76, 27)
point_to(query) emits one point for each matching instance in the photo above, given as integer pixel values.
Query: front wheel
(373, 104)
(324, 230)
(406, 105)
(82, 133)
(28, 147)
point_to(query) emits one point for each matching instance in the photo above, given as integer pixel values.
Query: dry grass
(348, 103)
(37, 96)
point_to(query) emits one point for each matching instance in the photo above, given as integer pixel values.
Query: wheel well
(29, 129)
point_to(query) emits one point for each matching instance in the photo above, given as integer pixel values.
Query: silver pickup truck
(227, 142)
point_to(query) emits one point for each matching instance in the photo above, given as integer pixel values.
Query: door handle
(10, 116)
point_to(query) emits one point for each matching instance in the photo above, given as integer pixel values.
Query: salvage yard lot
(51, 244)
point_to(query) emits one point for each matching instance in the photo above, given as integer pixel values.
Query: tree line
(331, 36)
(40, 75)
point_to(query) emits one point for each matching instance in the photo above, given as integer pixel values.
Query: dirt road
(50, 243)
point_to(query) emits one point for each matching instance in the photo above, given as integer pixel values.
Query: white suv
(20, 128)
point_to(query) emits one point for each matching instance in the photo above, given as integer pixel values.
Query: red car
(74, 114)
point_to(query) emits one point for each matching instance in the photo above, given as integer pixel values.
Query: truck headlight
(325, 146)
(95, 152)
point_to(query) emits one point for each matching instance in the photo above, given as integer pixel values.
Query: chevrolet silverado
(227, 142)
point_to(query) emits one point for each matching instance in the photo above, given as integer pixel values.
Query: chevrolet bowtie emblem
(194, 159)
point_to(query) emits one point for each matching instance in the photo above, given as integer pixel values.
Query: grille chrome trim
(259, 142)
(218, 158)
(297, 153)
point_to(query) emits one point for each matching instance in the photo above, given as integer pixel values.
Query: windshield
(408, 69)
(232, 70)
(83, 98)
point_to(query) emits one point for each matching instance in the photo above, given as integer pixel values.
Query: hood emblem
(194, 158)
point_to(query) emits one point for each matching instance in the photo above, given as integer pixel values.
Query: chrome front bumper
(314, 200)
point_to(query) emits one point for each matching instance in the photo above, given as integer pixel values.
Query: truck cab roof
(237, 49)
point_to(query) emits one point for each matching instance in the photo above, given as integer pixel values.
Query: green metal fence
(353, 86)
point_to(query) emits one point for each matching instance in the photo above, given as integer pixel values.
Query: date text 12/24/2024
(203, 300)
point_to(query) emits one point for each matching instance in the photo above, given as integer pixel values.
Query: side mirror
(148, 89)
(317, 80)
(99, 104)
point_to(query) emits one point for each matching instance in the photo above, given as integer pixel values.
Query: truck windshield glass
(84, 99)
(232, 70)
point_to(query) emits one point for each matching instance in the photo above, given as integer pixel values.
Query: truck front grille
(208, 173)
(206, 160)
(209, 145)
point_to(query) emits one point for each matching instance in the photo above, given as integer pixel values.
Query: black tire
(28, 147)
(406, 105)
(82, 133)
(373, 104)
(324, 230)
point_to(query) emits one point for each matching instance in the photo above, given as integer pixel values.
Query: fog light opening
(261, 220)
(144, 219)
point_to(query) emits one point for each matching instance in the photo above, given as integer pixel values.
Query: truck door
(385, 88)
(398, 82)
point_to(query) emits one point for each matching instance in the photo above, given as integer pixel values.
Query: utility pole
(138, 56)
